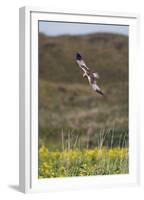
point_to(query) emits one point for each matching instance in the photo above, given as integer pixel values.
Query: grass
(73, 158)
(78, 102)
(82, 163)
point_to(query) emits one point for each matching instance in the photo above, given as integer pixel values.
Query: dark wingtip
(78, 56)
(100, 92)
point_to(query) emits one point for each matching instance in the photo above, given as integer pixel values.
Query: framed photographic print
(78, 100)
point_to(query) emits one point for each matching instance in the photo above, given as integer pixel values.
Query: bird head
(78, 56)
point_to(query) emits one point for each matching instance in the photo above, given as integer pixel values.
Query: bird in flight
(91, 76)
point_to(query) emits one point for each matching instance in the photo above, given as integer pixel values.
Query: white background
(9, 117)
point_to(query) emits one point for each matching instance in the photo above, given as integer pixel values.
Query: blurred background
(67, 104)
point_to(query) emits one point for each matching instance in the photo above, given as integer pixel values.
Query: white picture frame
(28, 159)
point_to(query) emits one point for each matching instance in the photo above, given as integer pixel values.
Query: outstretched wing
(96, 75)
(81, 63)
(93, 83)
(84, 67)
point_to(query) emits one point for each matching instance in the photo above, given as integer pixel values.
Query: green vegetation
(82, 163)
(71, 112)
